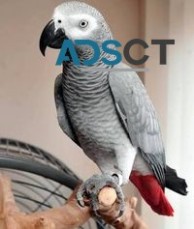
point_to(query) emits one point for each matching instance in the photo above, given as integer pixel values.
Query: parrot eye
(83, 24)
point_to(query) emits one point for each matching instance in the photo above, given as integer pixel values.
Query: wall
(180, 123)
(171, 89)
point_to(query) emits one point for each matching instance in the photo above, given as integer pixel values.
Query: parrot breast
(93, 115)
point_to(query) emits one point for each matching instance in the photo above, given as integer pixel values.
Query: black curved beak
(51, 38)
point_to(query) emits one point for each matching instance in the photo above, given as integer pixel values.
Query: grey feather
(62, 116)
(139, 118)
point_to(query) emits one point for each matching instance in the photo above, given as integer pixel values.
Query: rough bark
(69, 216)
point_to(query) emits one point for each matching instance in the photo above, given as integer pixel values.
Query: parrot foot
(89, 190)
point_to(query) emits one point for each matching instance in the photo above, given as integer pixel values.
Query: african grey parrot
(108, 113)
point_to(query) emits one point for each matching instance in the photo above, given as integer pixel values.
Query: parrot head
(74, 20)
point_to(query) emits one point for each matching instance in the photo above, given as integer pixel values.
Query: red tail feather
(152, 193)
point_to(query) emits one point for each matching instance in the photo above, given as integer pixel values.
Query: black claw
(80, 196)
(122, 209)
(81, 202)
(95, 212)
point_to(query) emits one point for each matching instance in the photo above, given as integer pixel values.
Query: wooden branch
(69, 216)
(110, 210)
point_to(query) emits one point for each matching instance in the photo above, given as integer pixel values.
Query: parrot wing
(62, 115)
(139, 119)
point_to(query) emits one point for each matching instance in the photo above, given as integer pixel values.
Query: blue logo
(69, 53)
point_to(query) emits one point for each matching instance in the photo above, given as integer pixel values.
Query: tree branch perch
(69, 216)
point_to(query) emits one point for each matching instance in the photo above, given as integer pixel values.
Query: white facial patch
(76, 31)
(71, 25)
